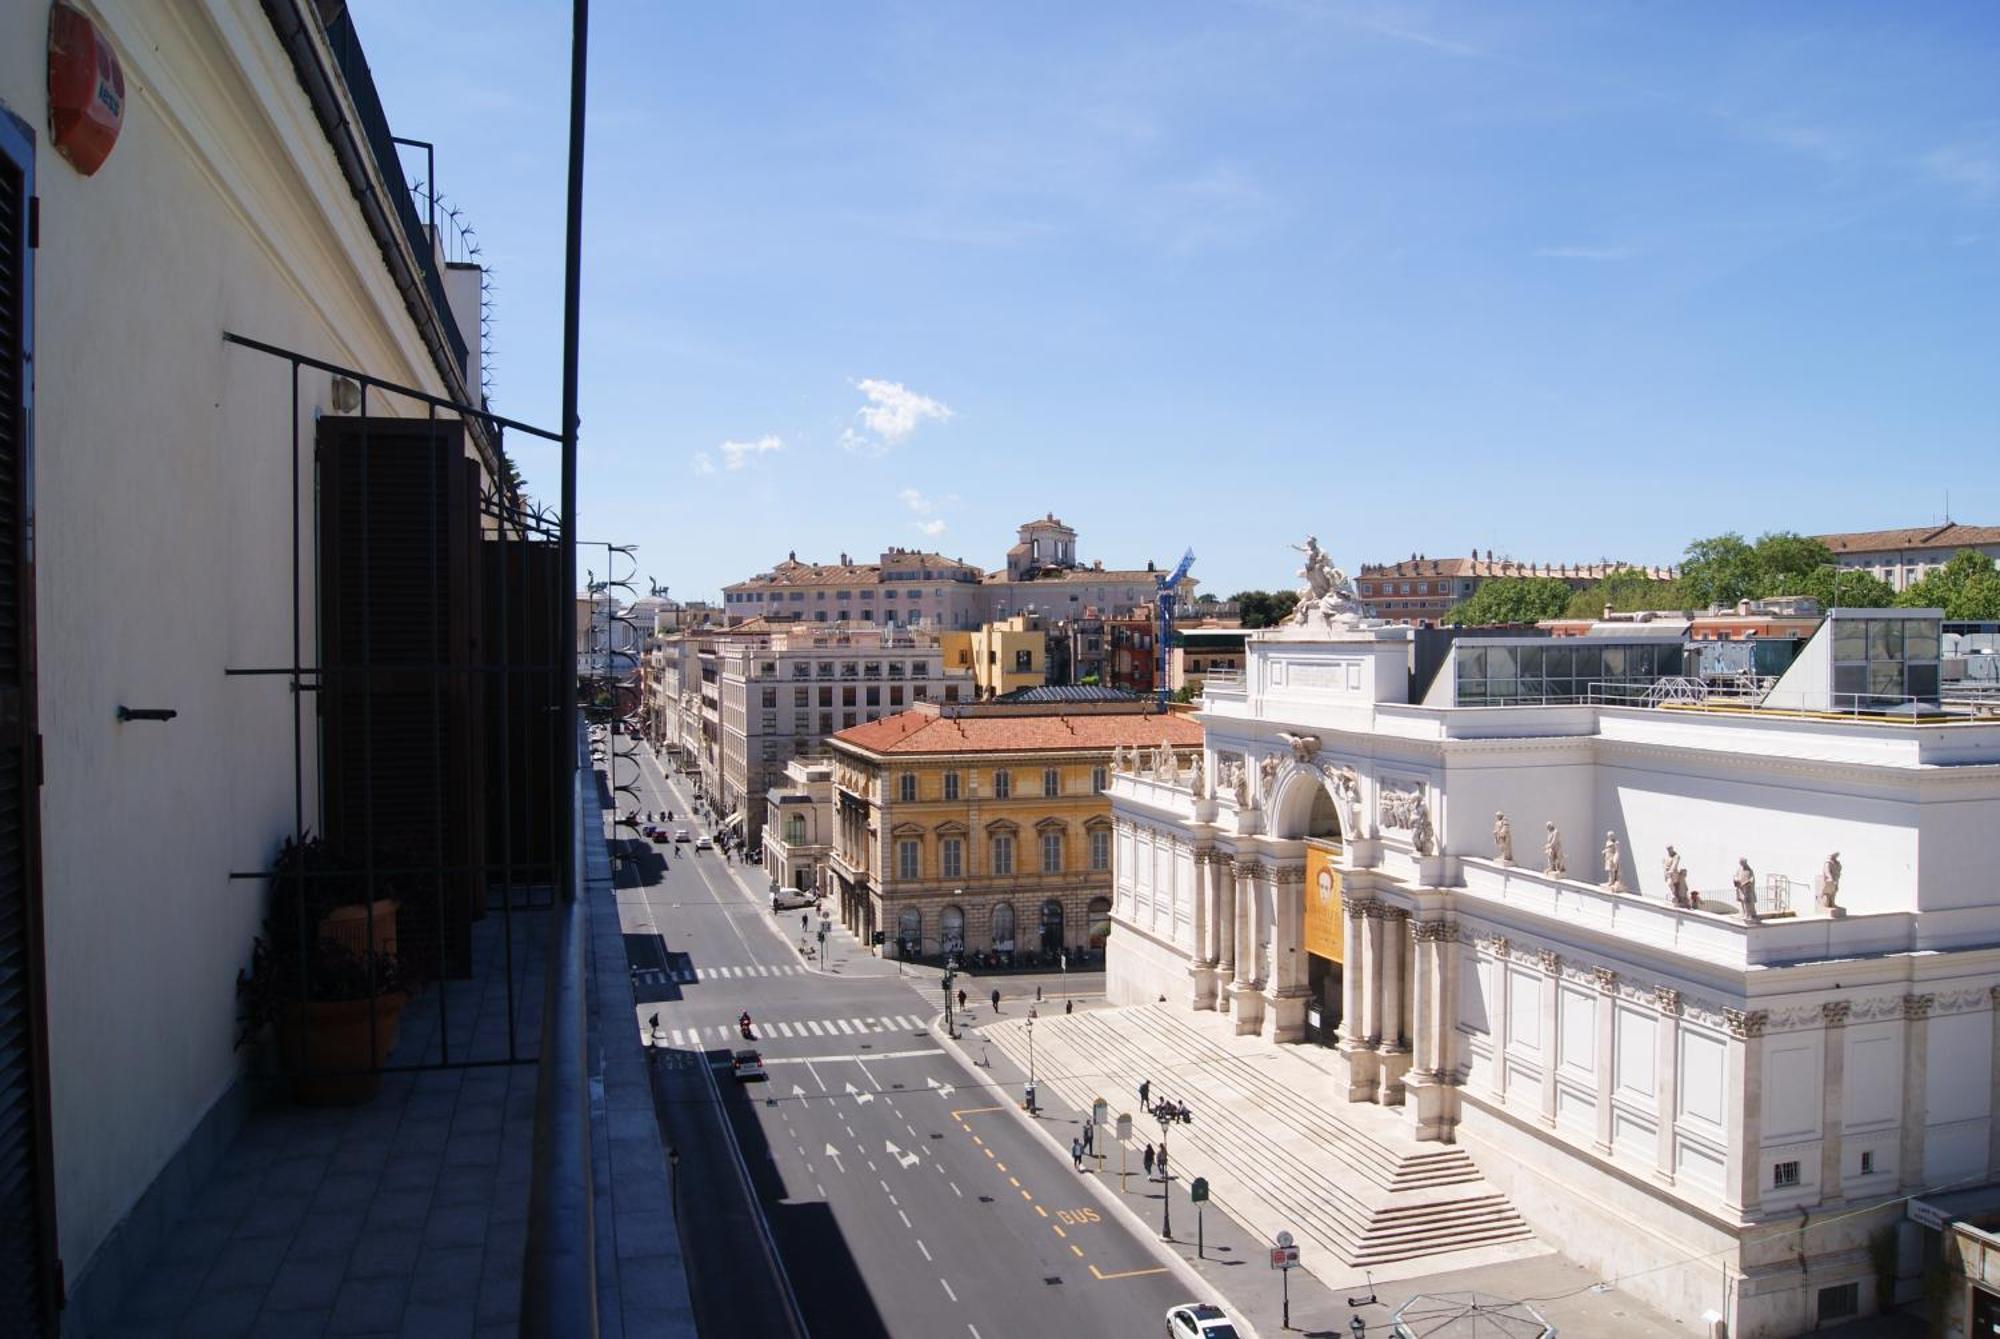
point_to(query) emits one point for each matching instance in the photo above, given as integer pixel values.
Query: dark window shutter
(399, 627)
(27, 1218)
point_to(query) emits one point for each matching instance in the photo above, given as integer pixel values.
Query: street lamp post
(1168, 1114)
(1031, 1066)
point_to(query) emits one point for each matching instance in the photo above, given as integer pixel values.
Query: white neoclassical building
(1731, 1111)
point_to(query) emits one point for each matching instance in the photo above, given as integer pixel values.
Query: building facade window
(1003, 927)
(1098, 780)
(906, 788)
(795, 830)
(951, 858)
(1003, 854)
(1052, 853)
(1100, 849)
(1051, 781)
(910, 931)
(951, 785)
(909, 860)
(1003, 785)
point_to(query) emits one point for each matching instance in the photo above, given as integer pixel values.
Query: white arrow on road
(943, 1089)
(834, 1153)
(798, 1092)
(860, 1097)
(905, 1159)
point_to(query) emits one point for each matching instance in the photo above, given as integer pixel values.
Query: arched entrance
(951, 931)
(1305, 809)
(1052, 926)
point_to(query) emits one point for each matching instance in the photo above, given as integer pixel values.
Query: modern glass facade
(1560, 669)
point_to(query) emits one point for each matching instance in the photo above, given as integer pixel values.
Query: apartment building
(913, 587)
(1904, 557)
(1421, 589)
(798, 840)
(1004, 657)
(984, 827)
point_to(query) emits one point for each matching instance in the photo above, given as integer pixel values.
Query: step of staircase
(1279, 1146)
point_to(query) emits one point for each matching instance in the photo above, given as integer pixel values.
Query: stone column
(1833, 1102)
(1601, 1061)
(1916, 1076)
(1425, 1085)
(1743, 1179)
(1551, 1001)
(1392, 1048)
(1350, 971)
(1285, 1000)
(1666, 1082)
(1201, 961)
(1361, 983)
(1225, 921)
(1245, 1002)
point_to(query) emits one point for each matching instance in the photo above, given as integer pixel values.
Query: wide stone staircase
(1280, 1147)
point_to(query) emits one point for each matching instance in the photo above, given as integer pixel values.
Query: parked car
(790, 899)
(1199, 1320)
(747, 1065)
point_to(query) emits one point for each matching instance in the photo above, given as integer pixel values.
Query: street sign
(1098, 1111)
(1284, 1257)
(1285, 1239)
(1125, 1125)
(1198, 1189)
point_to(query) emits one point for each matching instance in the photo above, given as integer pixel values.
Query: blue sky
(1562, 281)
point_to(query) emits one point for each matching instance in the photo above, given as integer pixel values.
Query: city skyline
(1338, 257)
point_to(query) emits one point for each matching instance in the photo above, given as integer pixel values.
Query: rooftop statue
(1327, 594)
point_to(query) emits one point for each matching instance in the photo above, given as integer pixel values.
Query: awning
(733, 820)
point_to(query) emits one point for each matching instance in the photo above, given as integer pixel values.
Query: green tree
(1626, 590)
(1511, 600)
(1967, 587)
(1785, 562)
(1719, 570)
(1845, 588)
(1264, 608)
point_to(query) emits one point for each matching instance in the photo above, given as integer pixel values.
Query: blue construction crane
(1166, 595)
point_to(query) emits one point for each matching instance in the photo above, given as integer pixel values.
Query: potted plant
(325, 975)
(334, 1013)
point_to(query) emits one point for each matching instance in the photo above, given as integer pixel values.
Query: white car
(747, 1065)
(703, 844)
(683, 835)
(1199, 1320)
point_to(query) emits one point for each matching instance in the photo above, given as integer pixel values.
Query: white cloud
(933, 527)
(1973, 168)
(916, 501)
(704, 463)
(735, 455)
(893, 413)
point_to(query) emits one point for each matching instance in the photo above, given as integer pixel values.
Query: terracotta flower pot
(332, 1038)
(363, 928)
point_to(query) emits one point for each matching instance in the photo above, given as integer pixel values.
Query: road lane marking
(905, 1217)
(963, 1112)
(947, 1290)
(1001, 1165)
(925, 1249)
(1026, 1196)
(1076, 1250)
(846, 1028)
(1040, 1210)
(956, 1191)
(1015, 1181)
(1103, 1277)
(815, 1029)
(816, 1078)
(1057, 1229)
(977, 1140)
(885, 1187)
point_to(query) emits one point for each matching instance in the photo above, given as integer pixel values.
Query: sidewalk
(1233, 1257)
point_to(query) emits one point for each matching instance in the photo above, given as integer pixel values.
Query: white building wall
(163, 483)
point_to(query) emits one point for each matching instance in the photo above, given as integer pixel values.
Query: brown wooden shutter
(28, 1272)
(522, 592)
(399, 708)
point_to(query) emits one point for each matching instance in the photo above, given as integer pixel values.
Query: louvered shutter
(399, 623)
(27, 1226)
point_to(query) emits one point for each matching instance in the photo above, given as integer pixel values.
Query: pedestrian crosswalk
(690, 975)
(814, 1027)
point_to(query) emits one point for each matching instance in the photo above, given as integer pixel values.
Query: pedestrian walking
(1145, 1090)
(961, 997)
(1089, 1138)
(996, 999)
(1163, 1163)
(1076, 1153)
(803, 920)
(1038, 994)
(1069, 1006)
(1148, 1161)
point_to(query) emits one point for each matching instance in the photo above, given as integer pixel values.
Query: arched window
(1052, 925)
(951, 930)
(910, 931)
(1003, 927)
(1100, 921)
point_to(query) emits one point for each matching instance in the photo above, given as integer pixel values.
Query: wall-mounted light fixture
(146, 713)
(346, 395)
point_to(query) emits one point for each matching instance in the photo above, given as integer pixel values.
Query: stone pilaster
(1552, 965)
(1225, 974)
(1426, 1086)
(1361, 979)
(1286, 997)
(1666, 1082)
(1245, 1002)
(1833, 1102)
(1916, 1077)
(1392, 1045)
(1600, 1062)
(1993, 1103)
(1201, 963)
(1743, 1178)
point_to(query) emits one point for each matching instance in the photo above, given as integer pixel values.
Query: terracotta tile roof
(929, 732)
(1950, 535)
(1080, 574)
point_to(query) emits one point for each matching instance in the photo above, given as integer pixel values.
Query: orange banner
(1325, 926)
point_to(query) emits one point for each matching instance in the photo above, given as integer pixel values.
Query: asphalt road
(890, 1196)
